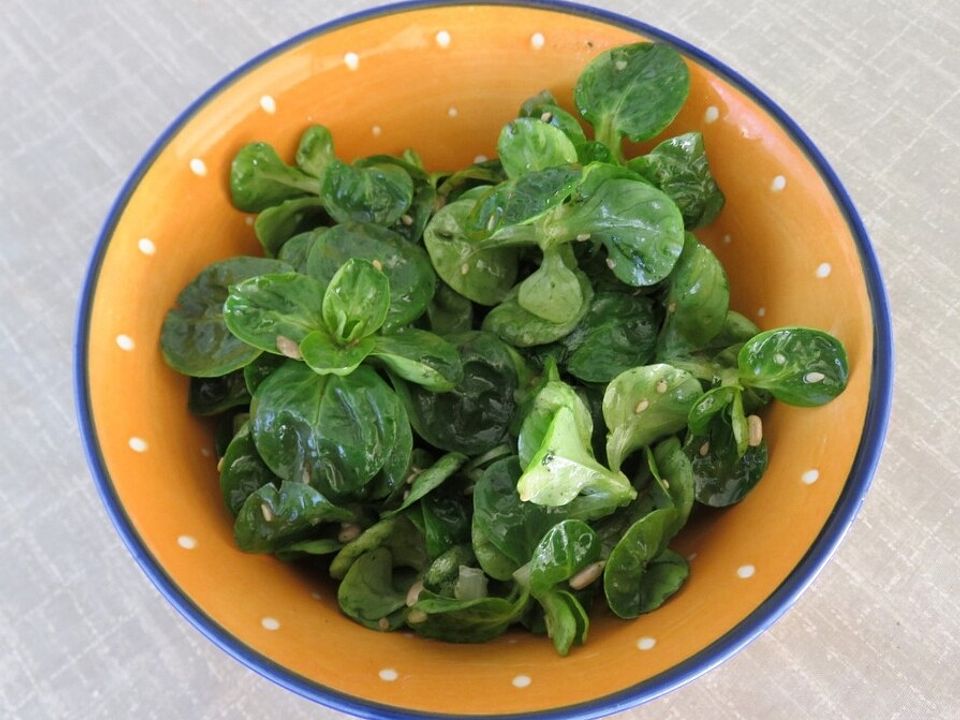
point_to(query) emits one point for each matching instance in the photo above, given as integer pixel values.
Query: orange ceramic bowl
(443, 78)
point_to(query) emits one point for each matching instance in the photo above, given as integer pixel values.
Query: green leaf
(194, 338)
(334, 432)
(326, 356)
(449, 312)
(420, 357)
(397, 534)
(565, 550)
(271, 518)
(552, 292)
(799, 366)
(259, 179)
(442, 575)
(697, 300)
(679, 167)
(296, 250)
(540, 413)
(276, 225)
(564, 468)
(645, 404)
(628, 563)
(528, 145)
(406, 266)
(372, 592)
(315, 152)
(675, 474)
(274, 312)
(522, 328)
(242, 472)
(377, 194)
(446, 521)
(431, 478)
(258, 370)
(212, 396)
(475, 416)
(566, 620)
(618, 332)
(708, 406)
(483, 276)
(520, 201)
(467, 621)
(721, 476)
(543, 107)
(632, 90)
(356, 302)
(309, 548)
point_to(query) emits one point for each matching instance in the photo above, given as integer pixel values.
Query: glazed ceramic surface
(443, 80)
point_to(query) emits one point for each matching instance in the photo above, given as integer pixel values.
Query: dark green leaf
(522, 328)
(407, 267)
(258, 370)
(721, 477)
(211, 396)
(377, 194)
(566, 621)
(315, 152)
(274, 312)
(420, 357)
(521, 200)
(552, 292)
(565, 550)
(372, 592)
(799, 366)
(466, 621)
(449, 312)
(271, 518)
(194, 338)
(397, 534)
(627, 564)
(259, 179)
(326, 356)
(276, 225)
(708, 406)
(431, 478)
(296, 250)
(242, 472)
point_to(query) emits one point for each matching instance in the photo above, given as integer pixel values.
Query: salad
(490, 397)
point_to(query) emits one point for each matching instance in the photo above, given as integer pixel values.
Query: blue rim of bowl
(835, 527)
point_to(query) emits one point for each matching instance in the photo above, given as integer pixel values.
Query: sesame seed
(266, 512)
(586, 576)
(413, 594)
(620, 64)
(661, 386)
(406, 220)
(641, 406)
(464, 269)
(754, 430)
(383, 624)
(288, 347)
(377, 265)
(220, 464)
(780, 359)
(547, 117)
(416, 616)
(305, 476)
(611, 264)
(583, 237)
(813, 377)
(704, 449)
(672, 307)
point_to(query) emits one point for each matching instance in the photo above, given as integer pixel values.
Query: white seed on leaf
(266, 512)
(547, 117)
(586, 576)
(413, 594)
(704, 449)
(641, 406)
(813, 377)
(620, 64)
(348, 532)
(464, 269)
(406, 220)
(416, 616)
(377, 265)
(611, 264)
(288, 347)
(583, 237)
(661, 386)
(754, 430)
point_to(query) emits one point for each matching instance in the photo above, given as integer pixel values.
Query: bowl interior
(443, 80)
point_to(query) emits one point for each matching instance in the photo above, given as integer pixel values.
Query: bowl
(443, 79)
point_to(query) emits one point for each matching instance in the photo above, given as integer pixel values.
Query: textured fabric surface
(87, 86)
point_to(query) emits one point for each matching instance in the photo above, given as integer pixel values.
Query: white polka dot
(761, 311)
(746, 571)
(537, 40)
(727, 239)
(376, 130)
(205, 452)
(270, 623)
(125, 342)
(187, 542)
(824, 270)
(711, 114)
(146, 246)
(443, 39)
(453, 112)
(351, 60)
(388, 674)
(646, 643)
(198, 167)
(778, 183)
(810, 476)
(268, 104)
(138, 444)
(522, 681)
(480, 159)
